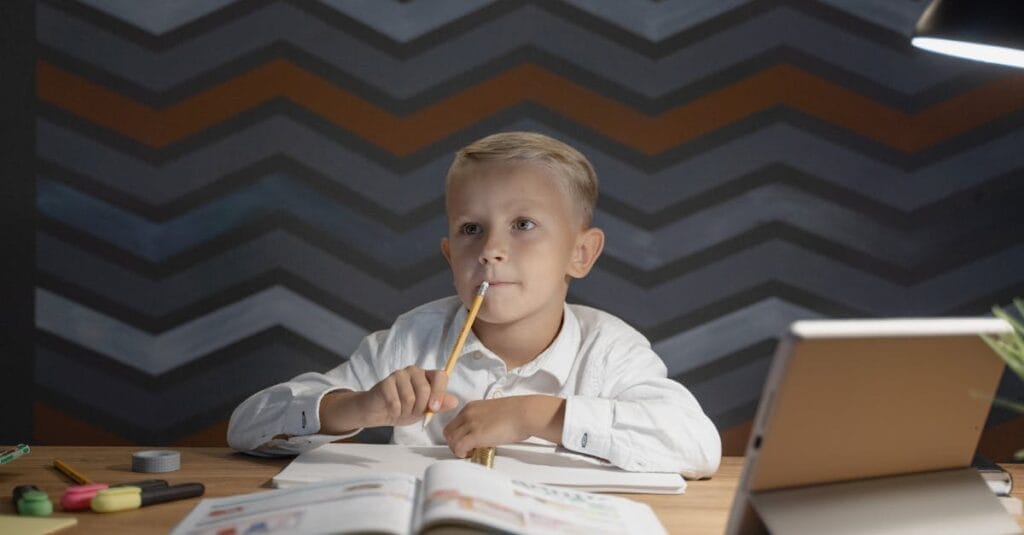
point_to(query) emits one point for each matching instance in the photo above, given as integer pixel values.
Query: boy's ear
(446, 251)
(589, 245)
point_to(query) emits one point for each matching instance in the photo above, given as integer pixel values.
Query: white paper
(534, 463)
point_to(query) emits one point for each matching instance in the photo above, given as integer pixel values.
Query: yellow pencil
(71, 472)
(453, 357)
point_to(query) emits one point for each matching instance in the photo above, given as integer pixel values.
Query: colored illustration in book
(556, 506)
(565, 526)
(475, 504)
(281, 522)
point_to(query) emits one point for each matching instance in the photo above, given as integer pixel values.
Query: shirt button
(496, 394)
(476, 356)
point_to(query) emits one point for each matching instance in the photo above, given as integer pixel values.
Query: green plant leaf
(1007, 404)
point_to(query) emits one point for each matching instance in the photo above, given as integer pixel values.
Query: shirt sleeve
(284, 419)
(643, 421)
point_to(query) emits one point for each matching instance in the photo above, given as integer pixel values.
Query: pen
(453, 357)
(117, 499)
(11, 454)
(71, 472)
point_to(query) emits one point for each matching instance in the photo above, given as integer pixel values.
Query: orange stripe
(734, 439)
(999, 442)
(780, 85)
(214, 435)
(53, 427)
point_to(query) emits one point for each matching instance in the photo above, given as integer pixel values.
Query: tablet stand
(946, 501)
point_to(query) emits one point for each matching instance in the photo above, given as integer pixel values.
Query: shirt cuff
(303, 421)
(587, 426)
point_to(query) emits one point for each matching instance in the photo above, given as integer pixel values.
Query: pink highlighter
(79, 497)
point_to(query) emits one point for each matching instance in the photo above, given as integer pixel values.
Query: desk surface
(703, 509)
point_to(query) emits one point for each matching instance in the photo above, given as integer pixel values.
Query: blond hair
(573, 171)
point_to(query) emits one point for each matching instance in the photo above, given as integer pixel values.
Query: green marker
(9, 455)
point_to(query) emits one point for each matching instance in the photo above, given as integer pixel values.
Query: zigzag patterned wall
(232, 192)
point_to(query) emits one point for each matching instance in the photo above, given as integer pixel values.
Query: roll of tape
(156, 461)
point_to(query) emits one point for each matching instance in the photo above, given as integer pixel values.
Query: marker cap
(79, 497)
(115, 499)
(35, 503)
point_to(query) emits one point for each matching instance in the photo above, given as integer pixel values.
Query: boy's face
(513, 226)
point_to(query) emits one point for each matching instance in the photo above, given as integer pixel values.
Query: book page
(537, 463)
(381, 504)
(460, 493)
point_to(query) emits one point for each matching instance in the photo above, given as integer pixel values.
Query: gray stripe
(900, 17)
(656, 20)
(157, 17)
(405, 22)
(738, 389)
(178, 346)
(182, 296)
(694, 233)
(156, 296)
(783, 26)
(174, 405)
(621, 180)
(818, 276)
(906, 242)
(729, 333)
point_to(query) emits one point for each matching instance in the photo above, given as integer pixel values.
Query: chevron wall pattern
(229, 193)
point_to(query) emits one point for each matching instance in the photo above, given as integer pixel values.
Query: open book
(530, 462)
(453, 495)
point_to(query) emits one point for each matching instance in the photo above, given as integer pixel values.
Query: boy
(519, 211)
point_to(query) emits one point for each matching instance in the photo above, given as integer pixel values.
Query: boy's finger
(458, 439)
(422, 389)
(406, 395)
(392, 403)
(438, 389)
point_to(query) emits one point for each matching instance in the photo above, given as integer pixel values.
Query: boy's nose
(494, 251)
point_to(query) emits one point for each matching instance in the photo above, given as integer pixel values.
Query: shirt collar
(556, 360)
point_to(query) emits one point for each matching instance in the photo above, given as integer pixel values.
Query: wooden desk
(703, 509)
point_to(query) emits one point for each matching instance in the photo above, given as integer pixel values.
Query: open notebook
(452, 497)
(534, 463)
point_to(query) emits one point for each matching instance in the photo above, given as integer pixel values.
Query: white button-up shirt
(620, 405)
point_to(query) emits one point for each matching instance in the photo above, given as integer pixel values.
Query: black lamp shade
(984, 30)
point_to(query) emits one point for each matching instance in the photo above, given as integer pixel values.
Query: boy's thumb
(448, 403)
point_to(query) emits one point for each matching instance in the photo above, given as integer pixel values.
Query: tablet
(848, 400)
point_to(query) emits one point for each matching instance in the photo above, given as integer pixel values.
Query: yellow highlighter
(453, 357)
(125, 498)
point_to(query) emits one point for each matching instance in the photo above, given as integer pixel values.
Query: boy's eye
(471, 229)
(524, 224)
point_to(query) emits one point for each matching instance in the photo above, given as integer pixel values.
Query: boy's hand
(403, 397)
(492, 422)
(400, 399)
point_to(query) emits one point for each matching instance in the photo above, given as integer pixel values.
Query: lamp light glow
(976, 51)
(983, 30)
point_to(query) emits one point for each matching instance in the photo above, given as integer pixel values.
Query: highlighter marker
(79, 497)
(11, 454)
(30, 501)
(114, 499)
